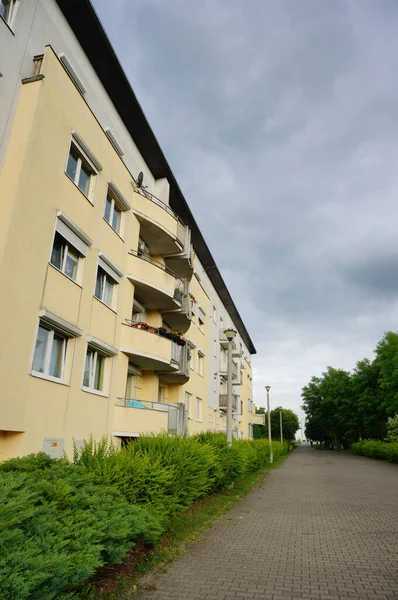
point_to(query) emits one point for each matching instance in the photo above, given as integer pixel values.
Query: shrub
(375, 449)
(59, 521)
(392, 429)
(56, 529)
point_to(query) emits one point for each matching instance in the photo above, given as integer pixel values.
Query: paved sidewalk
(324, 526)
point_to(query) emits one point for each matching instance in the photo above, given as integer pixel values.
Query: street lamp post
(271, 455)
(280, 423)
(229, 334)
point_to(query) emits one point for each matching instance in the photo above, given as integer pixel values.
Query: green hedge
(379, 450)
(60, 521)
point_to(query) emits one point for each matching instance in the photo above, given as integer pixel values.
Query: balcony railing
(223, 402)
(176, 412)
(224, 368)
(181, 227)
(155, 200)
(154, 262)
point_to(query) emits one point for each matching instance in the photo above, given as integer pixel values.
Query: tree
(259, 431)
(290, 424)
(387, 357)
(392, 429)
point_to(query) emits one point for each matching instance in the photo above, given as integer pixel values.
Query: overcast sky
(279, 119)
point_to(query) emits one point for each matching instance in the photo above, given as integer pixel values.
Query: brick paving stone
(324, 526)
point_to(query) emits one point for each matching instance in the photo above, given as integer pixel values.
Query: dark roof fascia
(88, 30)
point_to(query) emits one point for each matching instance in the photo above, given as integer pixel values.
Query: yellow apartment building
(108, 320)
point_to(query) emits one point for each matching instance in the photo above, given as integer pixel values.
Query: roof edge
(82, 18)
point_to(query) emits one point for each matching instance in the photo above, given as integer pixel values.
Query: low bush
(59, 525)
(375, 449)
(60, 521)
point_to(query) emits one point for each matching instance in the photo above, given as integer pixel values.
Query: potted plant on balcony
(143, 325)
(162, 331)
(152, 329)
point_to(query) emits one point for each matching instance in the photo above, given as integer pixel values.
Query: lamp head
(230, 334)
(268, 387)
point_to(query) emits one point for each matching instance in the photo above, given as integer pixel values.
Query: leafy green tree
(387, 357)
(370, 415)
(290, 424)
(392, 429)
(259, 431)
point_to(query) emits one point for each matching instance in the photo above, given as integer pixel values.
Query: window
(139, 312)
(115, 205)
(201, 361)
(65, 257)
(162, 393)
(215, 382)
(198, 409)
(80, 171)
(192, 361)
(104, 287)
(50, 353)
(94, 370)
(249, 406)
(187, 402)
(113, 214)
(108, 276)
(193, 310)
(201, 319)
(8, 8)
(132, 383)
(214, 314)
(70, 245)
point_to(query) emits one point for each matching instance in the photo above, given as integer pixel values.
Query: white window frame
(13, 11)
(47, 356)
(117, 199)
(66, 248)
(198, 410)
(114, 203)
(93, 365)
(200, 363)
(193, 358)
(92, 162)
(201, 321)
(187, 402)
(114, 273)
(104, 277)
(215, 382)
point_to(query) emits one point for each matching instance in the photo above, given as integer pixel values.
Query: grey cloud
(280, 121)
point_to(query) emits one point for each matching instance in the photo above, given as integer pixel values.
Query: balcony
(224, 369)
(180, 319)
(149, 351)
(182, 263)
(224, 341)
(154, 283)
(153, 351)
(180, 356)
(223, 400)
(255, 419)
(134, 417)
(160, 227)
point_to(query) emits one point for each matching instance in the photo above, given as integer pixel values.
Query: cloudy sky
(280, 122)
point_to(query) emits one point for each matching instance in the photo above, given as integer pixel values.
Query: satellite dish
(140, 179)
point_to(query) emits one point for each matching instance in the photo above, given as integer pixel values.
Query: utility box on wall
(53, 447)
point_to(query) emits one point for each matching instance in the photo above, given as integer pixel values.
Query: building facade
(113, 309)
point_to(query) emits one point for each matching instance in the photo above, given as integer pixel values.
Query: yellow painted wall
(35, 187)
